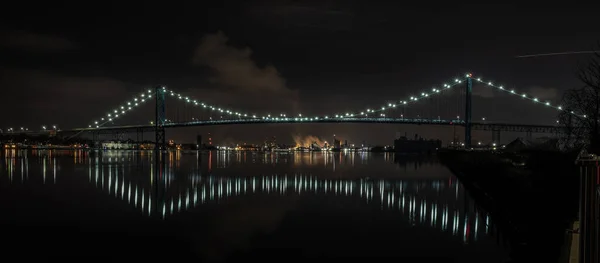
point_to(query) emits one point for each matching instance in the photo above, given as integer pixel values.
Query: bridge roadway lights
(505, 127)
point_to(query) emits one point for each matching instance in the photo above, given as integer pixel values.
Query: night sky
(70, 64)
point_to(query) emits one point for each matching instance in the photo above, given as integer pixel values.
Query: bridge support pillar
(468, 91)
(95, 139)
(496, 136)
(160, 118)
(529, 135)
(160, 139)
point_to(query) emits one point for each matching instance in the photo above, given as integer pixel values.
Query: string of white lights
(411, 100)
(525, 96)
(207, 106)
(130, 105)
(122, 109)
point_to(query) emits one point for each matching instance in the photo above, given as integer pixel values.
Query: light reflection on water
(416, 188)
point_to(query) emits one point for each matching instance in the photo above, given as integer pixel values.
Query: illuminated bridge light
(122, 109)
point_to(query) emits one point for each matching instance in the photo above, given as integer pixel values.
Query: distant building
(419, 146)
(147, 146)
(337, 144)
(115, 145)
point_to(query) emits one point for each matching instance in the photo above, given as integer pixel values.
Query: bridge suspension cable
(131, 104)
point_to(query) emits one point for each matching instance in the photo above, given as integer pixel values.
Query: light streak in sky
(557, 54)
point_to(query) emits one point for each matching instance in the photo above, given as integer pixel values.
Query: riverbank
(533, 200)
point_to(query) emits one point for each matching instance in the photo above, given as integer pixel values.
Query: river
(232, 206)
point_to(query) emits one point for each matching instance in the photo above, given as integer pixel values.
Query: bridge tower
(468, 91)
(160, 119)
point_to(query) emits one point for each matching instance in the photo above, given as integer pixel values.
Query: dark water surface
(217, 206)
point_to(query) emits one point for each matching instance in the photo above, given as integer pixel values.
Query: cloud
(238, 76)
(36, 42)
(234, 67)
(307, 141)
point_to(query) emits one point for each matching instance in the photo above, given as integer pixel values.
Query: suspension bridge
(425, 108)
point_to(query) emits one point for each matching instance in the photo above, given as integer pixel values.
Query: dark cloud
(235, 72)
(36, 42)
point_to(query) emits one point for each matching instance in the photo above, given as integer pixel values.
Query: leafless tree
(580, 120)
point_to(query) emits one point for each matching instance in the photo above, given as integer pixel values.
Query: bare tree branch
(581, 119)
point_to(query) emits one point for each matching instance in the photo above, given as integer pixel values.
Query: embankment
(532, 204)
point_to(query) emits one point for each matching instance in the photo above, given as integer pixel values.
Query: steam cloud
(306, 141)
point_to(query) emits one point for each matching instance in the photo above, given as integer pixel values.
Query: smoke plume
(307, 141)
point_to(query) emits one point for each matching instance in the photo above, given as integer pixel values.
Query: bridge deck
(475, 125)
